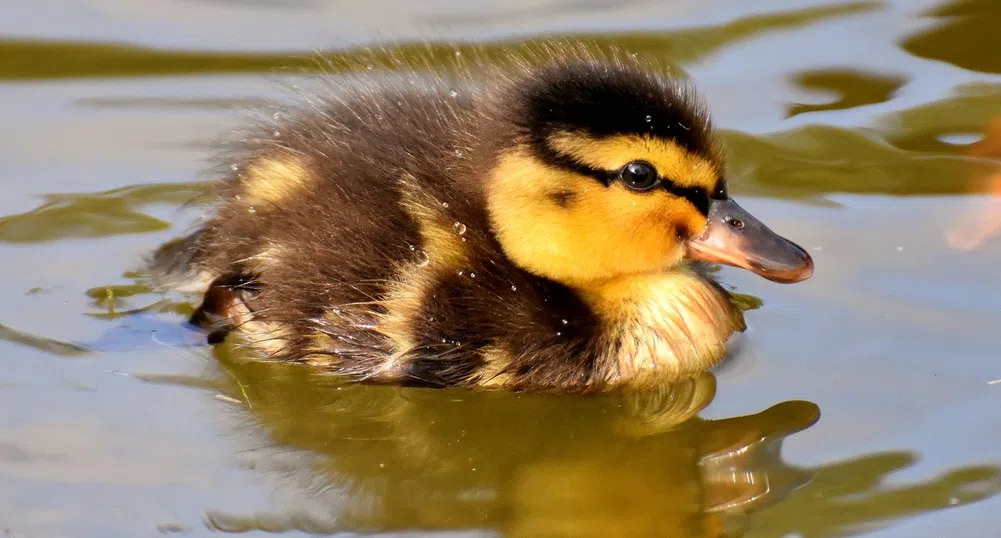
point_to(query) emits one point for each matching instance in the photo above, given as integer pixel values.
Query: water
(858, 403)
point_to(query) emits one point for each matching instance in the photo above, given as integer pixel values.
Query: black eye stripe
(695, 195)
(549, 156)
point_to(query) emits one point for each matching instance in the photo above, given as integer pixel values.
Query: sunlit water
(859, 402)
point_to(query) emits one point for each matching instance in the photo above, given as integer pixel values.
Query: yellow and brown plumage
(522, 228)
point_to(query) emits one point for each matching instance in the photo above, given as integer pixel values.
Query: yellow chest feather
(663, 326)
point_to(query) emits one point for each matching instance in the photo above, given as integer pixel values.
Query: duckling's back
(319, 222)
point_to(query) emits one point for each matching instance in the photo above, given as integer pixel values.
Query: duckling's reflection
(516, 464)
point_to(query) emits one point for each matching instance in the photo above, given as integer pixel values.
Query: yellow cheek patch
(683, 168)
(604, 232)
(273, 179)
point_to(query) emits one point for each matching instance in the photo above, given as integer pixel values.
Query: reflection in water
(38, 59)
(385, 458)
(103, 214)
(854, 89)
(941, 127)
(41, 343)
(364, 458)
(850, 498)
(983, 223)
(967, 36)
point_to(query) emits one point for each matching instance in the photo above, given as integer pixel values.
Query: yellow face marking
(684, 169)
(601, 233)
(272, 179)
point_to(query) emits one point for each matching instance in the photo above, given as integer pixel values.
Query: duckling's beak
(734, 237)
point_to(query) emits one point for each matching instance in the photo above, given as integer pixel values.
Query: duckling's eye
(639, 176)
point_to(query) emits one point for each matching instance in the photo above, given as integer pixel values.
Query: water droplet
(458, 54)
(514, 288)
(558, 333)
(563, 321)
(369, 67)
(277, 134)
(412, 248)
(459, 227)
(431, 319)
(472, 275)
(463, 239)
(238, 197)
(277, 116)
(453, 92)
(251, 210)
(423, 260)
(458, 153)
(649, 118)
(633, 56)
(234, 167)
(399, 103)
(444, 204)
(444, 340)
(459, 272)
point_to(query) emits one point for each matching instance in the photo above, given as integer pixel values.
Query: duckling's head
(613, 170)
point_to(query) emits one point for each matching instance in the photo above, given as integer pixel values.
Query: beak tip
(799, 274)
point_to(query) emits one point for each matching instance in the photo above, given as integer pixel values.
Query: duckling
(539, 226)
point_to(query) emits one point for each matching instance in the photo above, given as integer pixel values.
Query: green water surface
(861, 402)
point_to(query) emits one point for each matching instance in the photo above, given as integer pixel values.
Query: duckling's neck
(662, 326)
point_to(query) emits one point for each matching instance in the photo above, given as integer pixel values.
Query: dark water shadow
(950, 126)
(25, 59)
(854, 89)
(41, 343)
(94, 215)
(850, 498)
(966, 35)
